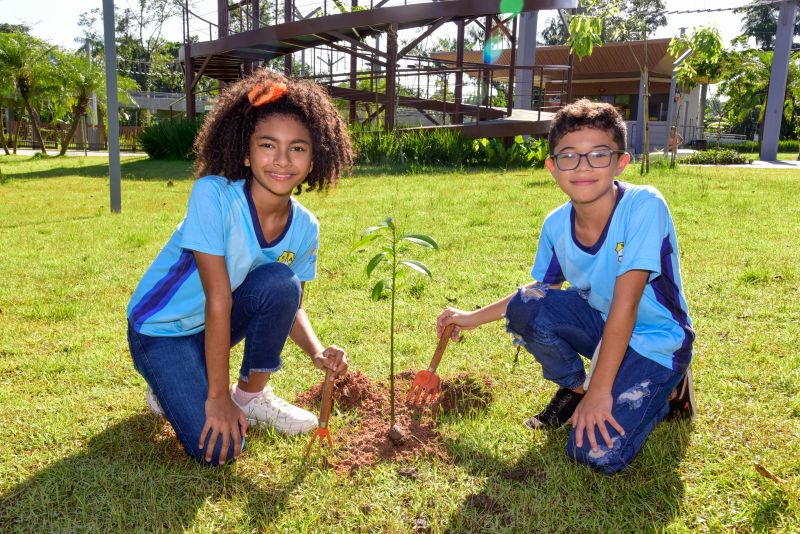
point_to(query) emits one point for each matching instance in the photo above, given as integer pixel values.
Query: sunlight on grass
(81, 451)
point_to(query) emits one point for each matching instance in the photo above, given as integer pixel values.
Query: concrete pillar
(777, 81)
(526, 56)
(112, 111)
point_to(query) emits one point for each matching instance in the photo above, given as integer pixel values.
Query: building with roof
(611, 74)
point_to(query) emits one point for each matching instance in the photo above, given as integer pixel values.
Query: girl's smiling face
(280, 154)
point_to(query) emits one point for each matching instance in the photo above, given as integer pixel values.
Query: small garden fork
(427, 384)
(322, 433)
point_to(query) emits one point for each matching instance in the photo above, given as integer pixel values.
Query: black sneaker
(683, 405)
(558, 412)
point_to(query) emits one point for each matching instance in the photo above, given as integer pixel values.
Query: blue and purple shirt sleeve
(203, 229)
(644, 236)
(546, 267)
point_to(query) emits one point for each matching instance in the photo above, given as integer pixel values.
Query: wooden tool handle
(437, 356)
(325, 408)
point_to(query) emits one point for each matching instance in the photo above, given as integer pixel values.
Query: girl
(235, 268)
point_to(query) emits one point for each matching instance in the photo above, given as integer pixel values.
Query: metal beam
(777, 81)
(112, 107)
(459, 89)
(370, 21)
(200, 72)
(355, 42)
(424, 35)
(351, 51)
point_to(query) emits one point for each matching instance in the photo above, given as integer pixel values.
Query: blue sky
(56, 21)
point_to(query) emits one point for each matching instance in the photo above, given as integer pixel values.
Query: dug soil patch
(364, 439)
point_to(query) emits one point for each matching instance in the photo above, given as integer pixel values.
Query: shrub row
(445, 148)
(170, 139)
(412, 149)
(785, 145)
(716, 157)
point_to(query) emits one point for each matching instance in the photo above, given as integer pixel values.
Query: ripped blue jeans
(558, 327)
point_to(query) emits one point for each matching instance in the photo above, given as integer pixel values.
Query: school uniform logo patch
(619, 248)
(287, 257)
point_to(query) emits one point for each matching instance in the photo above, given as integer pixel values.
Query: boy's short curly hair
(224, 139)
(584, 113)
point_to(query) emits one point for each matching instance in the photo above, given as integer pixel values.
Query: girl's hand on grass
(461, 319)
(594, 410)
(333, 358)
(225, 419)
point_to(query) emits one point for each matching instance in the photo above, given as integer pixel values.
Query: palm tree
(747, 85)
(24, 59)
(79, 78)
(6, 100)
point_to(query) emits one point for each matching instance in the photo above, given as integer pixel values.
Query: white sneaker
(152, 402)
(270, 410)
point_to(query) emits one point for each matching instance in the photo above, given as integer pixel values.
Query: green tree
(144, 54)
(760, 22)
(614, 18)
(5, 27)
(704, 65)
(394, 269)
(640, 18)
(26, 61)
(79, 77)
(746, 85)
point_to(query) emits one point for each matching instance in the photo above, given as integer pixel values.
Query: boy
(615, 244)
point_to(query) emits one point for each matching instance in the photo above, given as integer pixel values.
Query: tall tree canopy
(620, 20)
(760, 22)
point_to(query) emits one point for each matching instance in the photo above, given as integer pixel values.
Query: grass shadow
(131, 169)
(543, 491)
(134, 476)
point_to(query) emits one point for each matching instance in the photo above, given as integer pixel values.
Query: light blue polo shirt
(639, 235)
(221, 220)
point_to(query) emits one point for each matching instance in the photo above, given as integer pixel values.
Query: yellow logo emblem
(287, 257)
(619, 248)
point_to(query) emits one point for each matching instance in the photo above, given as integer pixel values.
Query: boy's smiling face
(585, 184)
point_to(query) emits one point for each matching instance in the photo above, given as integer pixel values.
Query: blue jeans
(560, 326)
(263, 311)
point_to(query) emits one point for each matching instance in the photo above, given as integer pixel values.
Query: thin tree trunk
(79, 111)
(2, 133)
(702, 121)
(35, 125)
(645, 168)
(16, 130)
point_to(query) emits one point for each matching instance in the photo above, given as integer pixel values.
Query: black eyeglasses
(597, 159)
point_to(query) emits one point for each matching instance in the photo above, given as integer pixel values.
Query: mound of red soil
(367, 440)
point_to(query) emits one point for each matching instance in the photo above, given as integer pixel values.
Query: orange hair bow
(261, 94)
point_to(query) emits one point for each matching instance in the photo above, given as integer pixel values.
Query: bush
(444, 148)
(715, 157)
(520, 153)
(751, 147)
(170, 139)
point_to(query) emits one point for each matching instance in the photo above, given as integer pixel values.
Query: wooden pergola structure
(377, 86)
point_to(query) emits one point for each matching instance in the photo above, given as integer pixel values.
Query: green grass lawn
(81, 452)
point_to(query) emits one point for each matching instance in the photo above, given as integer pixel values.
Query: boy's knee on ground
(520, 315)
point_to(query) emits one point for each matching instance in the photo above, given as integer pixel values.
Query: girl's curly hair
(224, 139)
